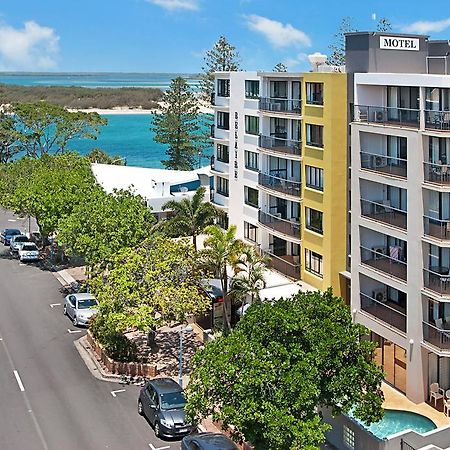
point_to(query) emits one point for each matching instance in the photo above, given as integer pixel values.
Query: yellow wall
(333, 159)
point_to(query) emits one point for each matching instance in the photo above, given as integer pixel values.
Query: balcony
(436, 173)
(281, 145)
(437, 279)
(382, 115)
(378, 259)
(276, 223)
(212, 134)
(280, 184)
(280, 105)
(437, 337)
(437, 228)
(388, 311)
(213, 98)
(437, 120)
(286, 264)
(383, 212)
(386, 165)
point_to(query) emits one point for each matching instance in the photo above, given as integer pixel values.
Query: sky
(173, 35)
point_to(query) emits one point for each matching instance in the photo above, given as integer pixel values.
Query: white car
(16, 242)
(80, 308)
(28, 251)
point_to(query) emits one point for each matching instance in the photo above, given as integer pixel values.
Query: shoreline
(124, 110)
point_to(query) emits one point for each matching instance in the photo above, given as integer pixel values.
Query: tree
(190, 217)
(384, 24)
(283, 362)
(178, 126)
(44, 128)
(280, 67)
(8, 138)
(223, 57)
(221, 251)
(337, 57)
(97, 155)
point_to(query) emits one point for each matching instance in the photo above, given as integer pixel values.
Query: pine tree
(222, 57)
(384, 24)
(280, 67)
(179, 127)
(337, 57)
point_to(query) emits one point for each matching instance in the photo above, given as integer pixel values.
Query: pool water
(397, 421)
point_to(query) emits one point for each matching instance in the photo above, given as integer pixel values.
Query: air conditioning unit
(379, 295)
(379, 116)
(379, 252)
(380, 161)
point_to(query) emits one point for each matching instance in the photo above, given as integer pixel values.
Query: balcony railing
(213, 131)
(436, 228)
(284, 264)
(275, 223)
(387, 115)
(213, 161)
(436, 336)
(280, 105)
(213, 98)
(437, 120)
(384, 164)
(280, 184)
(388, 312)
(383, 212)
(380, 260)
(436, 173)
(437, 279)
(281, 145)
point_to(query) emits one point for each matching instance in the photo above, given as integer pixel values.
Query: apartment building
(400, 204)
(280, 168)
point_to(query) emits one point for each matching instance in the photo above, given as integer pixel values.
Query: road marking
(12, 220)
(74, 331)
(19, 381)
(113, 393)
(159, 448)
(55, 304)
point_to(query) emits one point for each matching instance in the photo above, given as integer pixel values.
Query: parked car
(36, 237)
(207, 441)
(16, 242)
(80, 308)
(7, 234)
(162, 402)
(28, 251)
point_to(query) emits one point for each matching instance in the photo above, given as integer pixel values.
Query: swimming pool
(396, 421)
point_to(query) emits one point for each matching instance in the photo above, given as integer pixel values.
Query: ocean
(126, 135)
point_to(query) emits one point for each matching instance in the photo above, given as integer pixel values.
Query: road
(48, 398)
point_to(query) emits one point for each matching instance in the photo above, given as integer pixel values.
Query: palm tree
(191, 217)
(221, 251)
(249, 279)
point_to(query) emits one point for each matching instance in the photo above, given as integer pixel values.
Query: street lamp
(187, 329)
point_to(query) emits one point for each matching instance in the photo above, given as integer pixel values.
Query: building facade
(280, 168)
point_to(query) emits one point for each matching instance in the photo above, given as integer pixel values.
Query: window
(251, 196)
(314, 93)
(348, 436)
(223, 88)
(251, 160)
(314, 178)
(222, 220)
(222, 186)
(313, 263)
(223, 153)
(314, 220)
(278, 89)
(252, 125)
(250, 231)
(223, 120)
(314, 135)
(251, 89)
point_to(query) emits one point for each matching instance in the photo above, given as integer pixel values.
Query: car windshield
(12, 232)
(172, 400)
(29, 247)
(21, 239)
(87, 303)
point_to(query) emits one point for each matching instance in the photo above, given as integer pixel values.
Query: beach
(125, 110)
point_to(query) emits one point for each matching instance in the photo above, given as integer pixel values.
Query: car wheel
(75, 321)
(140, 408)
(157, 430)
(65, 310)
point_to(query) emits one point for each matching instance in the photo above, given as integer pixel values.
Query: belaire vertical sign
(236, 135)
(399, 43)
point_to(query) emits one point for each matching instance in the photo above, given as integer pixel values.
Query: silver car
(28, 252)
(16, 242)
(80, 308)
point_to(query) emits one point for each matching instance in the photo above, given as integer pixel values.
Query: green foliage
(43, 128)
(337, 56)
(190, 217)
(97, 155)
(222, 57)
(280, 67)
(102, 224)
(179, 126)
(8, 138)
(283, 360)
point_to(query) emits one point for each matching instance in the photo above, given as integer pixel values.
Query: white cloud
(425, 27)
(278, 34)
(29, 48)
(173, 5)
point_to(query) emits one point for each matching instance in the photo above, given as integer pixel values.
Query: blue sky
(172, 35)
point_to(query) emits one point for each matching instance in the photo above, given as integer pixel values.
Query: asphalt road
(48, 398)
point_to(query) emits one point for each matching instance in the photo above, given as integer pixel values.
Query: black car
(207, 441)
(162, 402)
(7, 234)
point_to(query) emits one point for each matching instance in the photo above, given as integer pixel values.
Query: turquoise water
(397, 421)
(128, 136)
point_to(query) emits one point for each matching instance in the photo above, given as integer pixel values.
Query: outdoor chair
(447, 407)
(436, 392)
